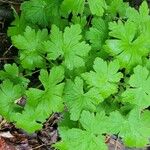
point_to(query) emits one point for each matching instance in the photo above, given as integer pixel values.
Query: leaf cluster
(91, 63)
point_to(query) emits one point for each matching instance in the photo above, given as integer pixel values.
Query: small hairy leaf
(9, 93)
(17, 26)
(41, 12)
(43, 102)
(11, 72)
(90, 137)
(77, 100)
(81, 20)
(97, 53)
(98, 33)
(128, 47)
(29, 45)
(117, 7)
(134, 129)
(67, 45)
(97, 7)
(141, 17)
(104, 78)
(74, 6)
(139, 91)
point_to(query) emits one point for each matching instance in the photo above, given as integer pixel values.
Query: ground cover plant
(91, 60)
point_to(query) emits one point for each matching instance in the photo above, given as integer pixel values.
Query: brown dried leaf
(4, 145)
(6, 134)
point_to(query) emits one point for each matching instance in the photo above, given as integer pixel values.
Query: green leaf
(97, 7)
(17, 26)
(9, 93)
(41, 12)
(139, 91)
(77, 100)
(134, 129)
(27, 120)
(11, 72)
(67, 122)
(77, 7)
(141, 17)
(74, 6)
(67, 45)
(29, 46)
(81, 20)
(144, 10)
(60, 146)
(43, 102)
(147, 63)
(104, 78)
(109, 105)
(90, 137)
(54, 47)
(116, 7)
(95, 123)
(51, 98)
(98, 33)
(128, 47)
(99, 78)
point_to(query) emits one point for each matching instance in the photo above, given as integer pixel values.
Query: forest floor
(12, 138)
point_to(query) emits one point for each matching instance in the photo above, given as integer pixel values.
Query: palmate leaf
(147, 63)
(27, 120)
(81, 20)
(88, 138)
(117, 7)
(134, 129)
(74, 6)
(77, 100)
(67, 45)
(97, 7)
(29, 45)
(104, 78)
(17, 26)
(78, 31)
(141, 17)
(41, 12)
(67, 122)
(98, 33)
(9, 93)
(42, 102)
(11, 72)
(129, 46)
(139, 91)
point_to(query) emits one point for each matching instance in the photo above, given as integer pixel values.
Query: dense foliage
(92, 58)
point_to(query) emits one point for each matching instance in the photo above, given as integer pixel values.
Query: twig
(8, 50)
(29, 74)
(6, 58)
(39, 86)
(38, 147)
(2, 33)
(89, 21)
(41, 146)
